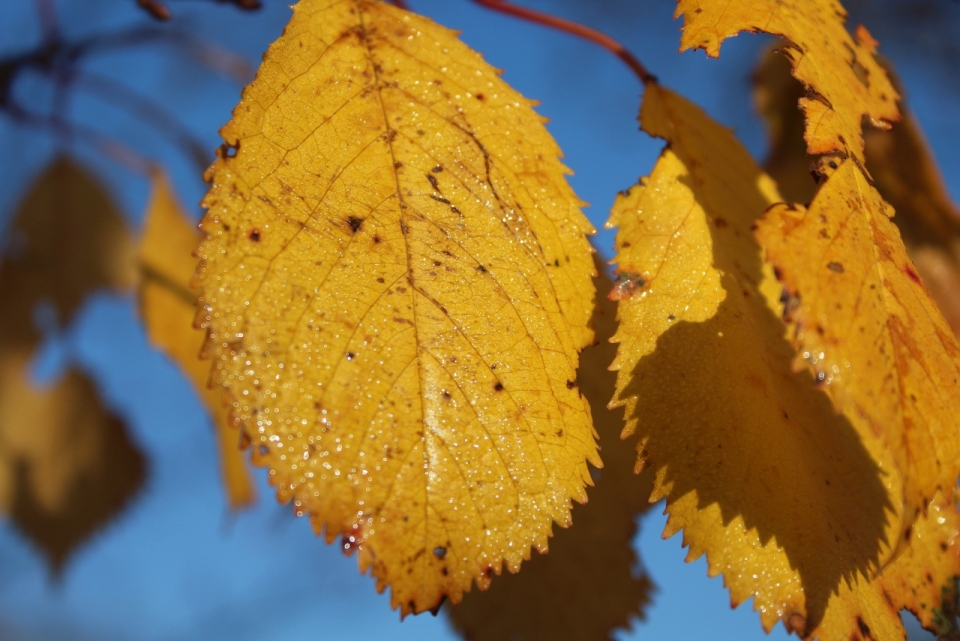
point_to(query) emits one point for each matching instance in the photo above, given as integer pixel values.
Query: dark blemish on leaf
(454, 209)
(440, 552)
(437, 263)
(481, 269)
(412, 605)
(721, 223)
(419, 132)
(377, 239)
(571, 384)
(907, 533)
(864, 629)
(943, 546)
(380, 280)
(435, 610)
(832, 164)
(556, 262)
(671, 318)
(835, 267)
(398, 165)
(264, 199)
(929, 578)
(481, 97)
(494, 366)
(626, 285)
(229, 151)
(433, 182)
(440, 199)
(446, 395)
(350, 356)
(355, 223)
(498, 386)
(914, 276)
(444, 571)
(437, 169)
(254, 235)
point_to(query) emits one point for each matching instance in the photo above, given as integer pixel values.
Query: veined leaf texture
(396, 285)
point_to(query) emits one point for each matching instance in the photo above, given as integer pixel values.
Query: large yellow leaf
(167, 307)
(588, 585)
(846, 83)
(795, 505)
(67, 466)
(866, 326)
(396, 286)
(66, 240)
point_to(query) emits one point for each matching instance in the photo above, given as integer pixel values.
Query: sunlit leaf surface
(847, 83)
(396, 286)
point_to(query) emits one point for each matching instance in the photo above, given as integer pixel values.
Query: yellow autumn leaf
(396, 286)
(796, 506)
(67, 465)
(591, 565)
(866, 326)
(903, 169)
(846, 82)
(167, 307)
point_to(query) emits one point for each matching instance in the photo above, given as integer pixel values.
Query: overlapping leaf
(396, 286)
(795, 505)
(844, 80)
(903, 169)
(167, 307)
(588, 585)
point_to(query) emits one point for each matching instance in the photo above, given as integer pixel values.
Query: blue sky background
(176, 565)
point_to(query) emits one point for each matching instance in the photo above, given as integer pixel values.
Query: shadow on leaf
(588, 584)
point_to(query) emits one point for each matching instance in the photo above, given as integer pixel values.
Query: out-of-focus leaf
(67, 466)
(167, 307)
(795, 505)
(396, 286)
(66, 240)
(588, 584)
(846, 82)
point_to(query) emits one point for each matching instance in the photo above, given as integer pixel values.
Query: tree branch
(576, 29)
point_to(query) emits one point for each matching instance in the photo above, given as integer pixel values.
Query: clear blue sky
(176, 565)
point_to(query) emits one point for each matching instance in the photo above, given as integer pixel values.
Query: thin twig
(576, 29)
(146, 109)
(70, 132)
(49, 25)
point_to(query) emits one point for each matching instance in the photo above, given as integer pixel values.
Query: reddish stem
(401, 3)
(576, 29)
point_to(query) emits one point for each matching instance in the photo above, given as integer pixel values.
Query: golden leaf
(396, 286)
(167, 308)
(904, 172)
(66, 240)
(591, 564)
(67, 466)
(845, 81)
(866, 326)
(795, 505)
